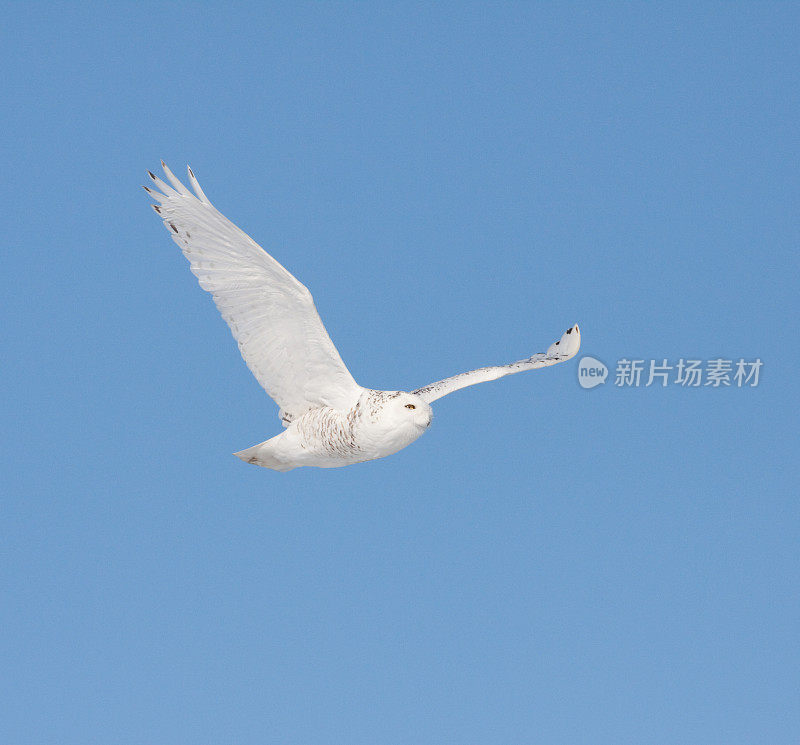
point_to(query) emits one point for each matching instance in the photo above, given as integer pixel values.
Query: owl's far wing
(270, 313)
(565, 348)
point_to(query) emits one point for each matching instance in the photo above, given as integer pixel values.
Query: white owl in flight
(329, 419)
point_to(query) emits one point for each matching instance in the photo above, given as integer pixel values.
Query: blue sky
(456, 184)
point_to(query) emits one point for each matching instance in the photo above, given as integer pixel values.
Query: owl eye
(410, 406)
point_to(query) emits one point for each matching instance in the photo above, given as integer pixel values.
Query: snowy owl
(329, 420)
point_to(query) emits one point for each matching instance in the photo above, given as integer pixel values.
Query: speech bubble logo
(591, 372)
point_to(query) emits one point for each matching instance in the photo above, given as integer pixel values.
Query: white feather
(565, 348)
(270, 313)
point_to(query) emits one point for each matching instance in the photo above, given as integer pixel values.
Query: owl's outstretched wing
(565, 348)
(271, 315)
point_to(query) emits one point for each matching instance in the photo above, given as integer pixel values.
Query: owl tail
(264, 455)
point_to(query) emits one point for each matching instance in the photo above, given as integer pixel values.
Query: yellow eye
(410, 406)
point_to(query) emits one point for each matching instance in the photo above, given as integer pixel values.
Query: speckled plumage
(379, 424)
(329, 420)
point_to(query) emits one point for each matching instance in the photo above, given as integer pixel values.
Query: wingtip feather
(568, 345)
(196, 186)
(174, 180)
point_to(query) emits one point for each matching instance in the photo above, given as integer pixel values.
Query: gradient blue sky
(456, 183)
